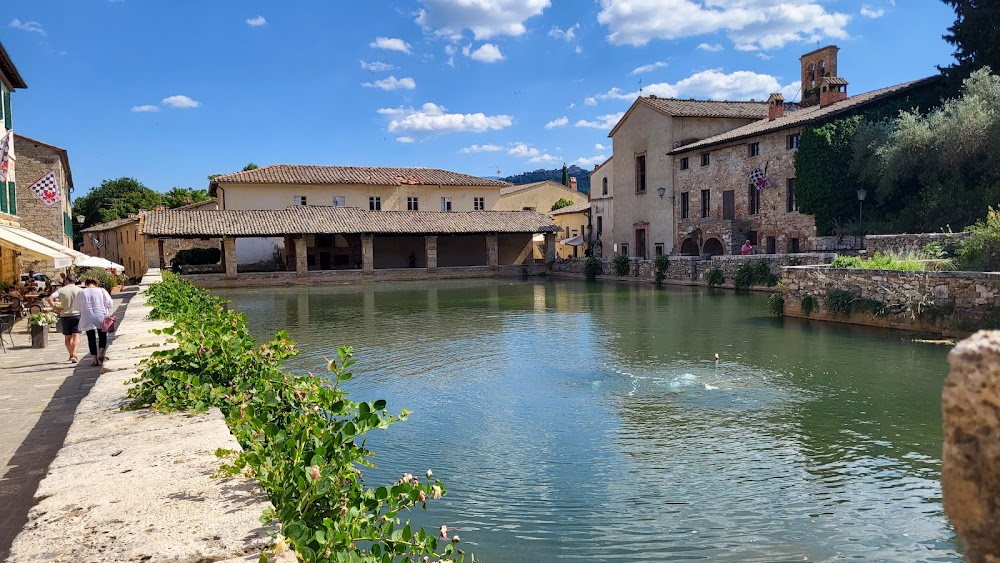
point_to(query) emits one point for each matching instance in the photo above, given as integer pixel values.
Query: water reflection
(589, 421)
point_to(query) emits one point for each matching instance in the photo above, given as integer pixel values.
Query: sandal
(94, 362)
(100, 360)
(73, 359)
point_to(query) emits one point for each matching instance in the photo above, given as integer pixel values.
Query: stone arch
(689, 248)
(713, 247)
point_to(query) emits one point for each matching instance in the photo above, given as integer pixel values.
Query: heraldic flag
(759, 179)
(47, 189)
(4, 157)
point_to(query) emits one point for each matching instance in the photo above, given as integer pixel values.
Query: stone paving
(39, 393)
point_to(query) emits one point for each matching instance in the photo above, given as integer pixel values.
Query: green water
(591, 421)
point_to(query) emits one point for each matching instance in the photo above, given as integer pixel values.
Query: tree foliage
(179, 197)
(821, 186)
(560, 203)
(565, 175)
(114, 199)
(974, 35)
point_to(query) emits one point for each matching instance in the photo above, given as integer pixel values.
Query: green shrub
(621, 265)
(869, 306)
(301, 436)
(881, 262)
(660, 265)
(776, 304)
(592, 268)
(794, 261)
(197, 257)
(714, 277)
(809, 304)
(754, 273)
(980, 251)
(104, 278)
(838, 301)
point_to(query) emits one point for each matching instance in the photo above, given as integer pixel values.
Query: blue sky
(169, 92)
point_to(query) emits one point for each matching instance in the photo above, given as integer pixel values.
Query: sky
(169, 92)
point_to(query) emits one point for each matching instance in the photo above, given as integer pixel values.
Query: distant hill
(581, 175)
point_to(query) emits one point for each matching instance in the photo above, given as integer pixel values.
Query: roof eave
(13, 77)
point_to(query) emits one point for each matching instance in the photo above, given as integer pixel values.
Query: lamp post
(861, 202)
(660, 191)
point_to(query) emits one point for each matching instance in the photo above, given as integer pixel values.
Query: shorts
(70, 325)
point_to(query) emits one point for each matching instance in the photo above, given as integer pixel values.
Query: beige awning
(572, 241)
(75, 254)
(15, 237)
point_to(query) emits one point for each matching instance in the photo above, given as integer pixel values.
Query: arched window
(811, 74)
(604, 186)
(822, 69)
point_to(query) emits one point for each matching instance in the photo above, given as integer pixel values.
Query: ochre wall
(539, 198)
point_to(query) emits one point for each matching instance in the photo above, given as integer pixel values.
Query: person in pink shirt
(747, 250)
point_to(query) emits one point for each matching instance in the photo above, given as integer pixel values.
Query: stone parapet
(328, 277)
(135, 485)
(910, 244)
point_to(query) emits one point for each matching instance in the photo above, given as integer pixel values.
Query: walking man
(69, 314)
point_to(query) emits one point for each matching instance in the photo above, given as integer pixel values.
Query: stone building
(576, 230)
(537, 196)
(602, 208)
(10, 80)
(35, 160)
(643, 174)
(717, 207)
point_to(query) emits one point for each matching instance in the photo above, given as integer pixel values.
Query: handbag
(108, 325)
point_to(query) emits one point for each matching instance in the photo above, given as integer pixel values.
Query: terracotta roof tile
(801, 117)
(708, 108)
(109, 225)
(354, 175)
(309, 219)
(575, 208)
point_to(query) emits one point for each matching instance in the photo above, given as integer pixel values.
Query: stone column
(301, 258)
(550, 247)
(368, 254)
(229, 257)
(492, 252)
(971, 461)
(431, 249)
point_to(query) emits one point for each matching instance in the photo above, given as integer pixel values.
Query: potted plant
(38, 325)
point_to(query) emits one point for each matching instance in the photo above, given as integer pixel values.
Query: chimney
(572, 184)
(775, 106)
(832, 90)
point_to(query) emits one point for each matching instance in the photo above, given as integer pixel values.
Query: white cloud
(481, 148)
(377, 66)
(873, 13)
(750, 24)
(711, 84)
(544, 158)
(590, 101)
(257, 21)
(713, 48)
(432, 119)
(27, 26)
(392, 83)
(579, 49)
(600, 147)
(148, 108)
(523, 150)
(603, 121)
(571, 105)
(487, 53)
(560, 122)
(649, 67)
(485, 18)
(391, 44)
(588, 161)
(406, 139)
(568, 34)
(180, 102)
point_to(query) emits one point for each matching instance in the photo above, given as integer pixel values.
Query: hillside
(581, 175)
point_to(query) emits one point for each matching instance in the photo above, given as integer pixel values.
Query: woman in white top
(95, 305)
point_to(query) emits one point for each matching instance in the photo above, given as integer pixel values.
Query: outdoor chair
(12, 305)
(6, 325)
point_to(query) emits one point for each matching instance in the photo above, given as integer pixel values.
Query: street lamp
(80, 219)
(660, 191)
(861, 202)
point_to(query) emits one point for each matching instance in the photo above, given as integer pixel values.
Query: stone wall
(325, 277)
(910, 244)
(939, 302)
(34, 160)
(842, 245)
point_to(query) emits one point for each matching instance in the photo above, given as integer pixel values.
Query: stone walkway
(39, 393)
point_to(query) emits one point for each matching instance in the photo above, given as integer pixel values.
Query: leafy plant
(980, 251)
(776, 304)
(592, 268)
(714, 277)
(39, 320)
(793, 261)
(560, 203)
(754, 273)
(809, 304)
(104, 278)
(838, 301)
(660, 265)
(621, 265)
(301, 436)
(881, 262)
(197, 256)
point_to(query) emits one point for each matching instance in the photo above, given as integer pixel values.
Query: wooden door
(729, 204)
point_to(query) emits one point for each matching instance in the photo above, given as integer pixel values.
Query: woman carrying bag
(95, 318)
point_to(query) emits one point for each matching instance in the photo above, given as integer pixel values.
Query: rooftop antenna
(498, 170)
(640, 85)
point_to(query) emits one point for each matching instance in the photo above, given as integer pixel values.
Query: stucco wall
(252, 196)
(572, 224)
(510, 247)
(121, 244)
(539, 198)
(910, 244)
(34, 161)
(603, 206)
(927, 301)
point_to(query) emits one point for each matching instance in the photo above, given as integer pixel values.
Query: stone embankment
(904, 244)
(136, 485)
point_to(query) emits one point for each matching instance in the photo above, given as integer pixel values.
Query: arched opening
(604, 186)
(689, 248)
(712, 248)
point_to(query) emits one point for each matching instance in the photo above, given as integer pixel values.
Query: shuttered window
(6, 111)
(12, 198)
(3, 198)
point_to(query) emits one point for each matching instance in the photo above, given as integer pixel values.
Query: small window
(374, 203)
(685, 205)
(339, 201)
(600, 226)
(299, 200)
(753, 149)
(479, 204)
(771, 245)
(527, 209)
(790, 205)
(412, 204)
(685, 163)
(753, 199)
(705, 159)
(446, 204)
(793, 246)
(658, 249)
(640, 174)
(705, 208)
(604, 186)
(792, 141)
(624, 250)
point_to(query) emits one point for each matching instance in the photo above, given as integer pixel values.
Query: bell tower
(816, 65)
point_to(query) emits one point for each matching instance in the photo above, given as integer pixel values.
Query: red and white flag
(759, 179)
(47, 189)
(4, 157)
